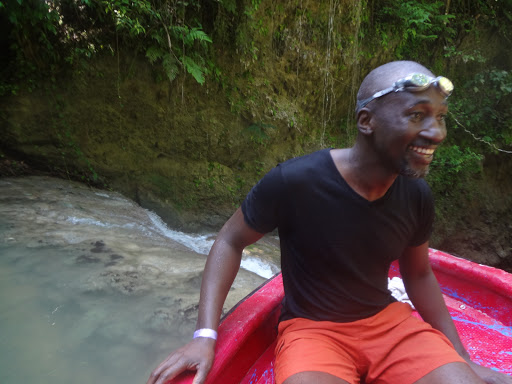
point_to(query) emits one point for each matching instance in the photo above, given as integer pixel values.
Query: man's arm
(425, 293)
(220, 271)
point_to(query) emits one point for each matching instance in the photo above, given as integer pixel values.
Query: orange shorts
(391, 347)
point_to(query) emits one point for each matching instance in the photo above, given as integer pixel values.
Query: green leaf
(170, 67)
(196, 34)
(195, 70)
(153, 53)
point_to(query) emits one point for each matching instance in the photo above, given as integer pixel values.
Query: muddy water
(95, 289)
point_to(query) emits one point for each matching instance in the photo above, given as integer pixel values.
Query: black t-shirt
(336, 246)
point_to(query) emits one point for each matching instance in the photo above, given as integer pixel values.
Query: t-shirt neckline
(356, 195)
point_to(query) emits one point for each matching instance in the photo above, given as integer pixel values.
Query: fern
(194, 69)
(230, 5)
(170, 67)
(156, 35)
(189, 35)
(153, 53)
(200, 61)
(179, 31)
(196, 34)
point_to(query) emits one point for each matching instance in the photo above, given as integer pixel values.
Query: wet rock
(161, 320)
(87, 259)
(99, 247)
(110, 264)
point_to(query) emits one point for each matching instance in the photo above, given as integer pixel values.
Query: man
(343, 216)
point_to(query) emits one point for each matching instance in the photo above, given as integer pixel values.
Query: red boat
(478, 297)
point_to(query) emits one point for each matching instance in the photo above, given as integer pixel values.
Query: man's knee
(314, 377)
(451, 373)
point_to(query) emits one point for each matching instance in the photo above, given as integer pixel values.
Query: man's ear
(365, 121)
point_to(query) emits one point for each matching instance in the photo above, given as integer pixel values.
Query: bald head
(385, 76)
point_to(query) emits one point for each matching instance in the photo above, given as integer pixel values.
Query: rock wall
(283, 84)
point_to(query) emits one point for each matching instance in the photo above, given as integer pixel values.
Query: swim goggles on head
(415, 82)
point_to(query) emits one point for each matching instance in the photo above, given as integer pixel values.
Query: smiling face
(407, 127)
(400, 127)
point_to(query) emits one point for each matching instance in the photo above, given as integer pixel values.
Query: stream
(96, 289)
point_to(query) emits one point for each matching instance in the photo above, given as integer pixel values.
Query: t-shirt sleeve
(261, 206)
(426, 215)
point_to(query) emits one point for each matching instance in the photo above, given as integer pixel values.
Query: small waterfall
(350, 129)
(329, 98)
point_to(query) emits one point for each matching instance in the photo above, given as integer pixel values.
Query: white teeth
(423, 151)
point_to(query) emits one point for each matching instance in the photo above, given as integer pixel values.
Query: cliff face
(283, 84)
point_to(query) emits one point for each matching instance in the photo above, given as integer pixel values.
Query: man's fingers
(171, 372)
(200, 376)
(197, 355)
(168, 370)
(164, 365)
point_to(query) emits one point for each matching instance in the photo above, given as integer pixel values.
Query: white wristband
(205, 332)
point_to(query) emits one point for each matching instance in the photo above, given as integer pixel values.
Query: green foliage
(451, 169)
(417, 24)
(481, 123)
(47, 37)
(428, 30)
(229, 5)
(182, 55)
(453, 176)
(252, 8)
(257, 132)
(169, 40)
(27, 17)
(32, 37)
(482, 106)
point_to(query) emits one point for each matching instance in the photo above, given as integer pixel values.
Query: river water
(95, 289)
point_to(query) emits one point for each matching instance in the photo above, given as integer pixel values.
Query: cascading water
(329, 99)
(357, 8)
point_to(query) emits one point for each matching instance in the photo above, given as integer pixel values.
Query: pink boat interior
(478, 297)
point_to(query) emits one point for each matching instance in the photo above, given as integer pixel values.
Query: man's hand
(490, 376)
(197, 355)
